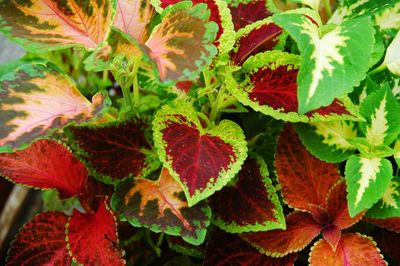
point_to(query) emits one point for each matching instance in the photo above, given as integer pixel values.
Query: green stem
(216, 105)
(126, 93)
(136, 92)
(328, 8)
(153, 246)
(377, 70)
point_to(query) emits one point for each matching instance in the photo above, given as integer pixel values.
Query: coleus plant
(181, 154)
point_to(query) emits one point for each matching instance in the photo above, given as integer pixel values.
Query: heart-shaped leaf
(41, 242)
(248, 12)
(134, 17)
(353, 249)
(45, 24)
(304, 179)
(42, 165)
(258, 37)
(328, 141)
(226, 248)
(36, 98)
(269, 85)
(367, 180)
(301, 229)
(389, 205)
(201, 160)
(92, 238)
(251, 204)
(161, 206)
(328, 60)
(116, 150)
(181, 45)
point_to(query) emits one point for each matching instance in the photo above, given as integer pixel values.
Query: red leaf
(114, 150)
(92, 238)
(229, 249)
(352, 249)
(332, 235)
(246, 13)
(41, 242)
(301, 229)
(43, 165)
(388, 242)
(258, 40)
(392, 224)
(337, 207)
(249, 205)
(305, 180)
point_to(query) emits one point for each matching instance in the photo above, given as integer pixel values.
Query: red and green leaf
(352, 249)
(230, 249)
(41, 242)
(201, 160)
(161, 206)
(181, 45)
(270, 87)
(43, 165)
(49, 25)
(92, 238)
(258, 37)
(36, 99)
(391, 224)
(134, 17)
(304, 179)
(301, 229)
(248, 12)
(251, 204)
(116, 150)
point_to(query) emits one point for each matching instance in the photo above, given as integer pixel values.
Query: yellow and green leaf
(50, 25)
(367, 180)
(389, 205)
(35, 99)
(328, 60)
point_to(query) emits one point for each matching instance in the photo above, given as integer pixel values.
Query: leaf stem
(377, 70)
(136, 92)
(328, 8)
(153, 246)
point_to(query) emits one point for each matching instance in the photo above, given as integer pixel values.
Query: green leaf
(389, 205)
(367, 180)
(328, 140)
(381, 111)
(341, 56)
(396, 154)
(49, 25)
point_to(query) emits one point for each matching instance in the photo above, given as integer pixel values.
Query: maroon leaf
(352, 249)
(92, 238)
(42, 165)
(248, 12)
(301, 229)
(115, 150)
(229, 249)
(332, 235)
(388, 243)
(392, 224)
(41, 242)
(260, 39)
(249, 205)
(305, 180)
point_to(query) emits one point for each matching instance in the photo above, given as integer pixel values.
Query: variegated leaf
(389, 205)
(202, 160)
(314, 4)
(328, 61)
(381, 111)
(45, 24)
(328, 140)
(397, 152)
(36, 99)
(181, 45)
(134, 17)
(367, 180)
(161, 206)
(392, 57)
(268, 84)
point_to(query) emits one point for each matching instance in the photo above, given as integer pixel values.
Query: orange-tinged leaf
(37, 98)
(133, 17)
(352, 249)
(391, 224)
(161, 206)
(47, 24)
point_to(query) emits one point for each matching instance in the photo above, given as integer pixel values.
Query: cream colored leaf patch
(392, 57)
(368, 171)
(336, 133)
(389, 18)
(379, 125)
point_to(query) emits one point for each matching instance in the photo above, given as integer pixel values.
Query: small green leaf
(367, 180)
(328, 140)
(328, 61)
(389, 205)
